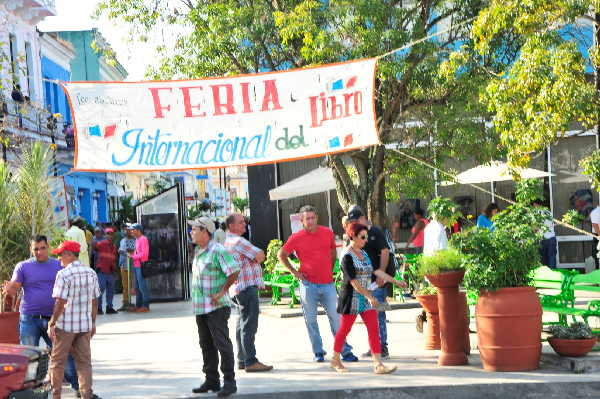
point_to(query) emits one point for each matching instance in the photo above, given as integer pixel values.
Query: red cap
(109, 230)
(71, 246)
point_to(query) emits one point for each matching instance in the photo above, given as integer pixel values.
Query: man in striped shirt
(250, 280)
(213, 272)
(73, 321)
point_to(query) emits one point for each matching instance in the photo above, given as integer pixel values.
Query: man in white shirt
(595, 219)
(76, 233)
(549, 243)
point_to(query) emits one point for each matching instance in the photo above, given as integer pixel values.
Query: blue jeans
(247, 324)
(311, 295)
(107, 283)
(380, 295)
(142, 297)
(31, 330)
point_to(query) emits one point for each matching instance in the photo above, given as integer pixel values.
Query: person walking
(126, 246)
(76, 233)
(140, 256)
(379, 254)
(36, 277)
(417, 237)
(98, 236)
(73, 321)
(213, 271)
(106, 260)
(356, 297)
(484, 220)
(548, 248)
(314, 246)
(249, 281)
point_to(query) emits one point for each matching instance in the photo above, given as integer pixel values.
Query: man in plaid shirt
(213, 272)
(73, 321)
(246, 289)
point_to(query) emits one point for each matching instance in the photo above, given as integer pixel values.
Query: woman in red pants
(356, 299)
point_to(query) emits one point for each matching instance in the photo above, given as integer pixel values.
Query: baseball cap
(109, 230)
(71, 246)
(135, 226)
(204, 222)
(354, 213)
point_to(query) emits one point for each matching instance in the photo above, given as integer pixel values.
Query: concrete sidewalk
(156, 355)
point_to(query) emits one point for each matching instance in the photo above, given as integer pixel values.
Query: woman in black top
(355, 297)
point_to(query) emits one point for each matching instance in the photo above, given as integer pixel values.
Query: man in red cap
(106, 261)
(73, 321)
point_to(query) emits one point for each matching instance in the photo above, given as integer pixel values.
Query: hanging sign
(58, 203)
(241, 120)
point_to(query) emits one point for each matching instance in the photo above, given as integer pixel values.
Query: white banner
(58, 203)
(242, 120)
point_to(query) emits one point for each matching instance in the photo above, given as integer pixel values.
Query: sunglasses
(362, 236)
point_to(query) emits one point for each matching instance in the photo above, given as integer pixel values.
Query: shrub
(574, 331)
(429, 290)
(446, 260)
(444, 210)
(271, 258)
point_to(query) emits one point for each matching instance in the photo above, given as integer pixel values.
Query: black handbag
(145, 269)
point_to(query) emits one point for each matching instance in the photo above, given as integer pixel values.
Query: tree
(225, 37)
(546, 90)
(240, 204)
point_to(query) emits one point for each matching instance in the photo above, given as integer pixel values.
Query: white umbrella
(315, 181)
(493, 172)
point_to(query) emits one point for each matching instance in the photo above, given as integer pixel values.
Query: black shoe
(94, 396)
(385, 354)
(206, 387)
(100, 311)
(111, 311)
(241, 366)
(228, 389)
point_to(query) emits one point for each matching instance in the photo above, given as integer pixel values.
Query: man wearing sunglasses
(314, 246)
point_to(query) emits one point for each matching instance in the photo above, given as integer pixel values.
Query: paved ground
(156, 355)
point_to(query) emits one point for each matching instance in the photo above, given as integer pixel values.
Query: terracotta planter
(9, 327)
(509, 329)
(452, 324)
(432, 334)
(572, 347)
(465, 313)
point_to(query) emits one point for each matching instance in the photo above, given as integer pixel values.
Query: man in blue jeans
(379, 253)
(36, 276)
(314, 246)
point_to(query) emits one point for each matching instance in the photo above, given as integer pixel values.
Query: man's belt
(40, 316)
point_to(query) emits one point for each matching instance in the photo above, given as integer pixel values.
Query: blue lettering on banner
(140, 148)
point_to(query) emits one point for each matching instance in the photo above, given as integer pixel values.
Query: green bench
(570, 284)
(279, 279)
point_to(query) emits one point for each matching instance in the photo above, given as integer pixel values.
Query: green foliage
(546, 89)
(24, 209)
(126, 213)
(240, 204)
(193, 212)
(591, 168)
(429, 290)
(573, 217)
(574, 331)
(506, 256)
(528, 190)
(271, 258)
(446, 260)
(444, 210)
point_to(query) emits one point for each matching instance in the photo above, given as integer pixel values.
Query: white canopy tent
(316, 181)
(493, 172)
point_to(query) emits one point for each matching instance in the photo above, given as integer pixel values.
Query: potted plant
(574, 341)
(427, 297)
(444, 270)
(498, 266)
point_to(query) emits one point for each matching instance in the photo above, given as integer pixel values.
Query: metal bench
(280, 279)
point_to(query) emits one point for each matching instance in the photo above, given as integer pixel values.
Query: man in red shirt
(314, 246)
(106, 261)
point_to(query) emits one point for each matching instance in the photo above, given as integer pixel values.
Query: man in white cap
(213, 271)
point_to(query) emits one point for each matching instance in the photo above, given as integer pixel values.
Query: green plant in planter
(446, 260)
(271, 258)
(528, 190)
(573, 217)
(574, 331)
(429, 290)
(506, 256)
(444, 210)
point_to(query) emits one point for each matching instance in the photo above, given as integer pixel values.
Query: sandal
(338, 366)
(383, 369)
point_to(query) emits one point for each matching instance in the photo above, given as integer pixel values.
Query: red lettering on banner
(333, 108)
(228, 105)
(246, 97)
(271, 96)
(185, 91)
(156, 100)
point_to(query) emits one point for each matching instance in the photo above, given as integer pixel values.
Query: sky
(70, 17)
